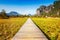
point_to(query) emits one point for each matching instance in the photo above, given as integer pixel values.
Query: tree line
(49, 11)
(3, 15)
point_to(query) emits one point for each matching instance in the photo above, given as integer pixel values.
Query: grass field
(9, 27)
(50, 26)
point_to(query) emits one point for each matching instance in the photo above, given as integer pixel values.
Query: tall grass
(50, 26)
(9, 27)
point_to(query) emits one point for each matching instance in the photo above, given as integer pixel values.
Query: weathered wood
(29, 31)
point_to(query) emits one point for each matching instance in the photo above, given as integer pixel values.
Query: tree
(42, 7)
(3, 14)
(57, 7)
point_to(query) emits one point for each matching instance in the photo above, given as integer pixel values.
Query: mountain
(12, 13)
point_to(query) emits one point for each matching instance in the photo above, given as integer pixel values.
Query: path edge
(41, 30)
(20, 28)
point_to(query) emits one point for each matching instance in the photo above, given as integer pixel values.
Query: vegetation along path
(29, 31)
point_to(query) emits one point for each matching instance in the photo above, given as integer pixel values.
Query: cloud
(19, 9)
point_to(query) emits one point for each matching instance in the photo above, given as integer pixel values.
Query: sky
(23, 6)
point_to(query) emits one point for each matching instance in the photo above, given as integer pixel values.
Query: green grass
(50, 26)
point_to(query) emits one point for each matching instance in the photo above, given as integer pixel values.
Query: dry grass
(9, 27)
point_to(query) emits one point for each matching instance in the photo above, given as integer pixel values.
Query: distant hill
(12, 13)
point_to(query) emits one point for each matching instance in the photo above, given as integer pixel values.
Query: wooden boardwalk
(29, 31)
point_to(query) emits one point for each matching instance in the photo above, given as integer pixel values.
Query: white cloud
(19, 9)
